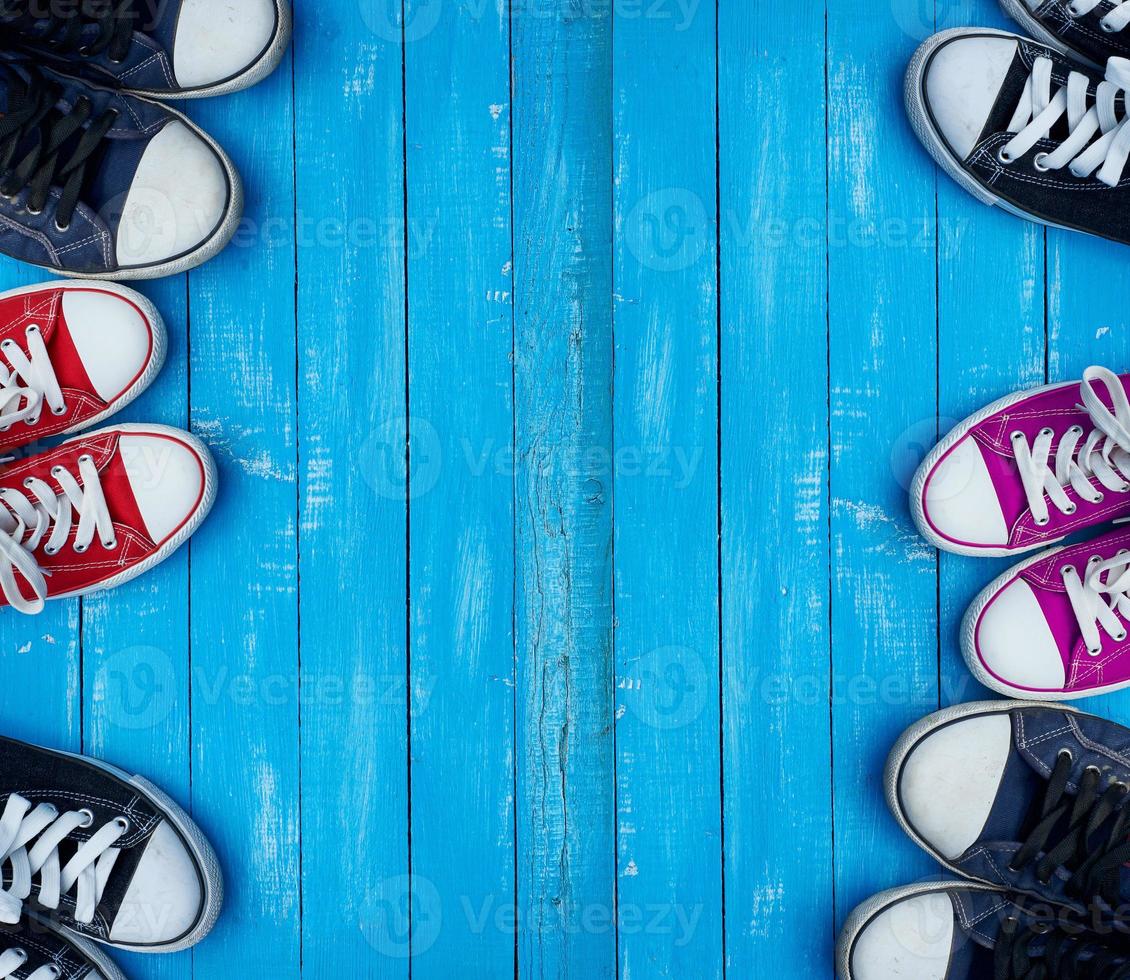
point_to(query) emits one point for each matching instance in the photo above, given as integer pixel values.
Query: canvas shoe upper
(1054, 627)
(1091, 30)
(1029, 469)
(99, 510)
(71, 354)
(98, 183)
(1019, 125)
(161, 48)
(93, 849)
(1029, 798)
(953, 931)
(35, 949)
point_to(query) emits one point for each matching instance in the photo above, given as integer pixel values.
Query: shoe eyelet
(1094, 651)
(21, 953)
(57, 471)
(110, 545)
(1095, 769)
(1106, 27)
(86, 458)
(62, 229)
(1047, 431)
(1071, 508)
(48, 550)
(1066, 752)
(1066, 570)
(1073, 11)
(33, 213)
(122, 823)
(80, 549)
(87, 817)
(1039, 164)
(1076, 430)
(1005, 157)
(1119, 637)
(1041, 523)
(61, 410)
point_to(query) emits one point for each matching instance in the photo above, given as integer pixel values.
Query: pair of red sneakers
(102, 508)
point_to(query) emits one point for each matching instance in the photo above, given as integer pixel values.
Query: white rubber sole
(951, 439)
(156, 326)
(969, 645)
(930, 138)
(868, 911)
(191, 525)
(1018, 11)
(918, 731)
(212, 246)
(202, 851)
(254, 73)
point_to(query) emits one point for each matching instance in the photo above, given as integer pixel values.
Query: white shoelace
(29, 846)
(1103, 454)
(1097, 602)
(1039, 110)
(38, 517)
(27, 381)
(1115, 20)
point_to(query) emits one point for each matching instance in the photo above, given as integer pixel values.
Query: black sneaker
(950, 931)
(103, 853)
(1090, 30)
(97, 183)
(1029, 798)
(168, 49)
(1018, 125)
(33, 949)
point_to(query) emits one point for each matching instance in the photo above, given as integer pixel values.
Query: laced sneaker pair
(1022, 126)
(1029, 804)
(1025, 472)
(98, 509)
(90, 854)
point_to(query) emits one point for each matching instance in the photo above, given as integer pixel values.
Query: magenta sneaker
(1054, 626)
(1029, 469)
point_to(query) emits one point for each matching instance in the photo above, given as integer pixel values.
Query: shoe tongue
(1020, 785)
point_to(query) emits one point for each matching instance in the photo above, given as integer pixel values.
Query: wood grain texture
(774, 477)
(562, 74)
(566, 379)
(665, 481)
(460, 341)
(882, 362)
(357, 899)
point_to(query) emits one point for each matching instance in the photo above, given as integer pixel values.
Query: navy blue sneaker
(98, 183)
(159, 48)
(951, 931)
(1027, 797)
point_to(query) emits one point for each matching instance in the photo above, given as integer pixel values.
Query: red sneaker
(72, 354)
(99, 510)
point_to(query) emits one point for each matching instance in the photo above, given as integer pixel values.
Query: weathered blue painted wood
(562, 72)
(352, 494)
(135, 642)
(1087, 324)
(990, 341)
(665, 480)
(882, 363)
(40, 658)
(460, 341)
(244, 613)
(774, 479)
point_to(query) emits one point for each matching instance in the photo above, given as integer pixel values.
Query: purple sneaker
(1029, 469)
(1054, 626)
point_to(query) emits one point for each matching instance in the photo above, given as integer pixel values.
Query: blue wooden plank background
(566, 378)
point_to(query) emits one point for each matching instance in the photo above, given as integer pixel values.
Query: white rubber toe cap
(165, 898)
(963, 81)
(218, 39)
(960, 502)
(950, 779)
(1015, 642)
(113, 338)
(911, 940)
(178, 199)
(167, 477)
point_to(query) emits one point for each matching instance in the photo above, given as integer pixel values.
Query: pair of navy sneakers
(1029, 804)
(1034, 125)
(96, 177)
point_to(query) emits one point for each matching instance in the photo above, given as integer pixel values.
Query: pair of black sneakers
(96, 177)
(1027, 806)
(1033, 124)
(91, 855)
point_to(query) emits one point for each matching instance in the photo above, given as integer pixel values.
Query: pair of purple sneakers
(1025, 472)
